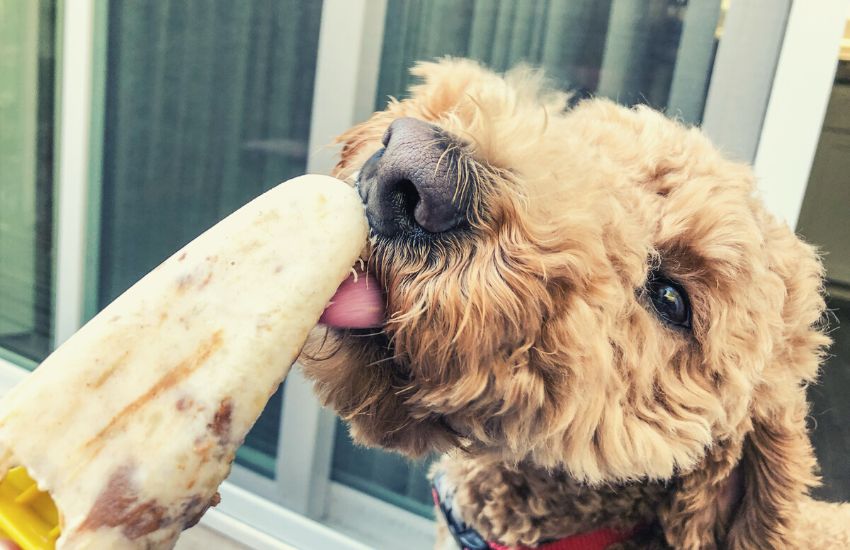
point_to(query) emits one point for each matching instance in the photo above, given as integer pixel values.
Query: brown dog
(590, 313)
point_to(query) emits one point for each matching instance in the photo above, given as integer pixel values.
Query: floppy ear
(747, 490)
(746, 494)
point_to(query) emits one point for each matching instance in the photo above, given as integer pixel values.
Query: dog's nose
(412, 181)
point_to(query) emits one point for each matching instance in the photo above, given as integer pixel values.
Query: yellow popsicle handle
(28, 516)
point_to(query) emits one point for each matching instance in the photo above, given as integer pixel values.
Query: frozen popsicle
(131, 425)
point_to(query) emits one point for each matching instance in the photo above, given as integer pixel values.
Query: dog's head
(595, 289)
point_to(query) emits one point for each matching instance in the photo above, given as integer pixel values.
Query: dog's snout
(412, 181)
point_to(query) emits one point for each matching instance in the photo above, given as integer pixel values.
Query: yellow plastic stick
(27, 515)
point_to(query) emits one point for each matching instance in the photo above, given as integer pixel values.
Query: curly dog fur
(524, 346)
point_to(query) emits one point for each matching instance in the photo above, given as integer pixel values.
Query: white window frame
(798, 100)
(302, 507)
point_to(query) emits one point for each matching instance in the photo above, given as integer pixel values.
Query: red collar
(468, 538)
(592, 540)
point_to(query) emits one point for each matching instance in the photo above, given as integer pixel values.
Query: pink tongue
(356, 304)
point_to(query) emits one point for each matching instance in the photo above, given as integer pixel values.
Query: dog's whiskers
(381, 361)
(369, 334)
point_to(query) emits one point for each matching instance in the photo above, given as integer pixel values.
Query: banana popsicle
(132, 424)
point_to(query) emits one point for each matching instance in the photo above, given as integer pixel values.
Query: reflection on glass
(207, 106)
(26, 166)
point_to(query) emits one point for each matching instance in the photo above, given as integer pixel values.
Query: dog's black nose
(413, 181)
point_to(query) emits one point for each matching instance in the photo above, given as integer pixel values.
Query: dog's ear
(746, 494)
(747, 490)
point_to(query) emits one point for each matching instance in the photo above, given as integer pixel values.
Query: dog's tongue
(358, 303)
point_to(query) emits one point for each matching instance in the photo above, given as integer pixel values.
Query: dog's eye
(669, 300)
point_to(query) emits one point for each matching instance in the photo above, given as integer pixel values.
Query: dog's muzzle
(412, 182)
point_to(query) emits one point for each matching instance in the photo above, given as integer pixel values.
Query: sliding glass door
(197, 106)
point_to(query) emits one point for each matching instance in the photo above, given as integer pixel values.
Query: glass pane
(207, 105)
(825, 221)
(26, 165)
(658, 52)
(387, 476)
